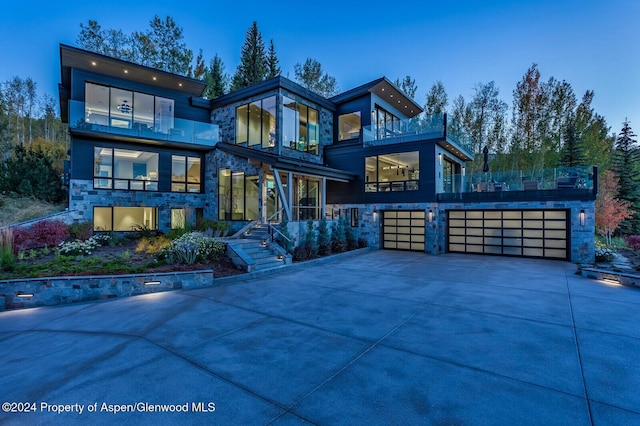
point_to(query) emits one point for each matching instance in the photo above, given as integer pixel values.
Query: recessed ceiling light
(126, 71)
(154, 79)
(180, 84)
(392, 95)
(93, 63)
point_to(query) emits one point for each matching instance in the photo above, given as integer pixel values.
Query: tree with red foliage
(610, 211)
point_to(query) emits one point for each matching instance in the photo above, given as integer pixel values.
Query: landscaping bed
(49, 249)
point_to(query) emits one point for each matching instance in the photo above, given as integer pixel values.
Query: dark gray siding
(351, 157)
(82, 158)
(183, 107)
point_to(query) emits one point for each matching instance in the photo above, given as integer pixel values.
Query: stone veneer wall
(225, 118)
(216, 160)
(582, 237)
(63, 290)
(82, 199)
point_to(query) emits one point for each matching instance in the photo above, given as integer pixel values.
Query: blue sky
(591, 44)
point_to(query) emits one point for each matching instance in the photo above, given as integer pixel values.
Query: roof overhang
(287, 164)
(72, 57)
(386, 90)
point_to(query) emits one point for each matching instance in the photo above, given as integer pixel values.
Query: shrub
(310, 239)
(604, 254)
(350, 238)
(338, 238)
(80, 231)
(183, 249)
(82, 248)
(152, 245)
(285, 242)
(143, 231)
(632, 241)
(362, 242)
(7, 259)
(324, 247)
(46, 233)
(179, 232)
(302, 253)
(206, 224)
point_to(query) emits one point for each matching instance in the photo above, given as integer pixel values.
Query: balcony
(438, 126)
(564, 183)
(180, 131)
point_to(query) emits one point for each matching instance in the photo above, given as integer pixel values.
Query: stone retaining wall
(35, 292)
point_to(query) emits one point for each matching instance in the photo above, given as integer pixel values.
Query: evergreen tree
(253, 60)
(30, 173)
(625, 165)
(311, 76)
(215, 78)
(273, 69)
(572, 153)
(324, 246)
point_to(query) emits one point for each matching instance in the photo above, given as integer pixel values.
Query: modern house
(147, 150)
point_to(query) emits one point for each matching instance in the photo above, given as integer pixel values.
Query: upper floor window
(392, 172)
(256, 123)
(300, 127)
(349, 126)
(185, 174)
(125, 109)
(386, 124)
(125, 169)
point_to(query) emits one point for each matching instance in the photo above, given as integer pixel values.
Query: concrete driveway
(379, 338)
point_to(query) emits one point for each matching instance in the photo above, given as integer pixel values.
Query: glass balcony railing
(181, 130)
(561, 178)
(425, 127)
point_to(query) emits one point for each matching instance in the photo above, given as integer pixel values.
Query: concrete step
(262, 266)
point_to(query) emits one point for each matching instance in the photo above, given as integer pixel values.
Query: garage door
(530, 233)
(403, 230)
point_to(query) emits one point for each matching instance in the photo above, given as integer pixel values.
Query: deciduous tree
(407, 85)
(311, 76)
(610, 210)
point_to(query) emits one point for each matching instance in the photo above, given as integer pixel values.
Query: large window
(392, 172)
(256, 123)
(238, 195)
(308, 206)
(125, 169)
(124, 218)
(300, 127)
(387, 124)
(349, 126)
(114, 107)
(185, 174)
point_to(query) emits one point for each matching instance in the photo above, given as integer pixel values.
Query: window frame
(187, 184)
(257, 137)
(299, 124)
(397, 185)
(113, 182)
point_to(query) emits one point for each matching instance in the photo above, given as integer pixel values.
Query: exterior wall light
(431, 216)
(464, 171)
(152, 283)
(582, 217)
(440, 158)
